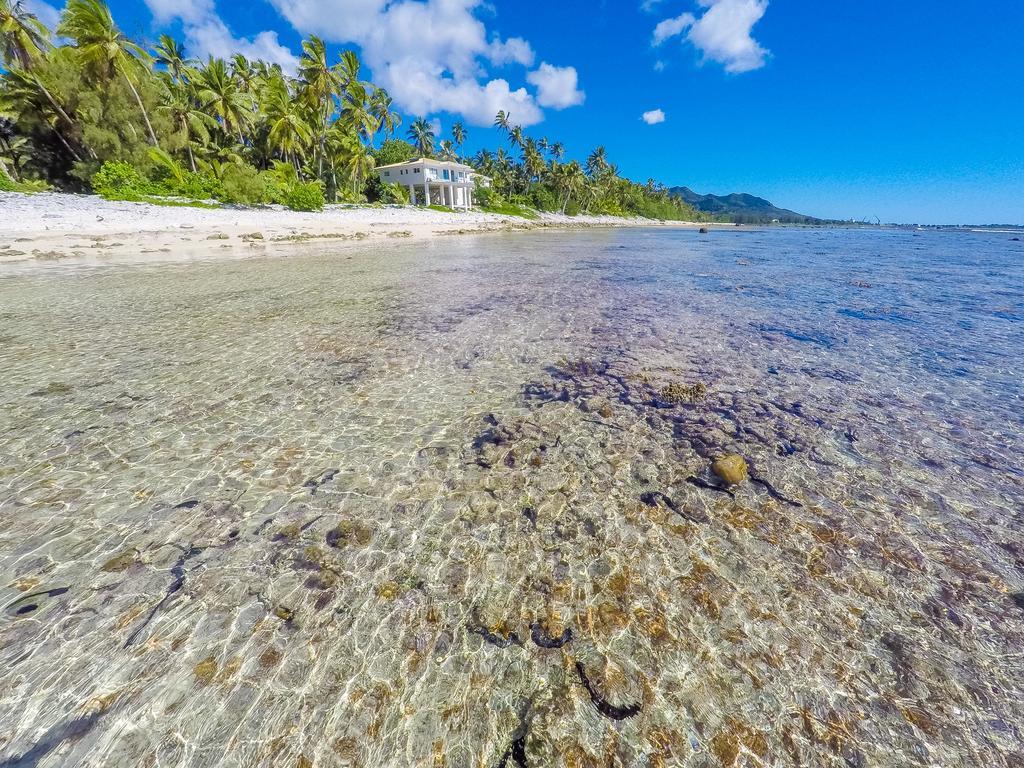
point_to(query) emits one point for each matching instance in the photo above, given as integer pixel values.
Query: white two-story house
(435, 182)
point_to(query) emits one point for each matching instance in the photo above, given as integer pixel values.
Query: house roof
(427, 161)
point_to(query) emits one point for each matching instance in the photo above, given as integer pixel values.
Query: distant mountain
(741, 208)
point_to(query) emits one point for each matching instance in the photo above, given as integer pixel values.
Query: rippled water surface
(431, 505)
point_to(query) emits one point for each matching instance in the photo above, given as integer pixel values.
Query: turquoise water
(430, 505)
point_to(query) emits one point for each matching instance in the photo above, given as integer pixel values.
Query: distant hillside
(741, 208)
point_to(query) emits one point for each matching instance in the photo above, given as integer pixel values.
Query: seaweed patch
(544, 641)
(604, 707)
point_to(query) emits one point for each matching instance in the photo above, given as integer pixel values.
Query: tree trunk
(66, 118)
(142, 107)
(191, 156)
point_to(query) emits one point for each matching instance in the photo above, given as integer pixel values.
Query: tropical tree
(171, 56)
(220, 95)
(383, 109)
(458, 135)
(321, 84)
(192, 121)
(103, 47)
(421, 134)
(290, 132)
(23, 37)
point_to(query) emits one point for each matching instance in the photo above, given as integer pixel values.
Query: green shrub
(543, 198)
(486, 197)
(197, 186)
(119, 181)
(305, 196)
(244, 185)
(7, 184)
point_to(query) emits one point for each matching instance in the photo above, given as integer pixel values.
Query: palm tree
(421, 134)
(569, 179)
(290, 131)
(102, 46)
(515, 136)
(25, 92)
(219, 93)
(597, 163)
(22, 36)
(447, 150)
(458, 135)
(189, 119)
(171, 56)
(557, 151)
(501, 121)
(322, 84)
(382, 108)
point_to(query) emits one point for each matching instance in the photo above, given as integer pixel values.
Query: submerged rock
(731, 470)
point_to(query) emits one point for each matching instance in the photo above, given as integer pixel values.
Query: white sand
(85, 228)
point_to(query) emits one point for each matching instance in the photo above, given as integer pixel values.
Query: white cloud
(557, 87)
(45, 12)
(515, 50)
(722, 34)
(429, 54)
(654, 117)
(206, 34)
(672, 27)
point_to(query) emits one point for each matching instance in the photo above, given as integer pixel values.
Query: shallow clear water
(330, 509)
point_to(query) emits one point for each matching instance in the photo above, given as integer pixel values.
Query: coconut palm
(597, 163)
(322, 84)
(501, 121)
(220, 95)
(382, 108)
(421, 134)
(171, 56)
(23, 37)
(103, 47)
(447, 151)
(25, 92)
(557, 151)
(192, 121)
(290, 132)
(458, 135)
(569, 179)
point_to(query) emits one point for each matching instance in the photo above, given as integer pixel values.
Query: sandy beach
(65, 227)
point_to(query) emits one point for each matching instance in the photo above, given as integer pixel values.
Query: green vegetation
(90, 108)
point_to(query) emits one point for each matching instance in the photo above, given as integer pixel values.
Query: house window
(417, 170)
(447, 176)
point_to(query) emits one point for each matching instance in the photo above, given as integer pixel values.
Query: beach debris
(218, 236)
(603, 706)
(703, 230)
(731, 469)
(676, 393)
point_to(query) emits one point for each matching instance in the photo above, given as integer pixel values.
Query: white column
(426, 191)
(412, 195)
(469, 198)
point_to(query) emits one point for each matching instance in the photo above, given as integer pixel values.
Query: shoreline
(69, 228)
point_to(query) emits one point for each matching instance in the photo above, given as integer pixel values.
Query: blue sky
(905, 110)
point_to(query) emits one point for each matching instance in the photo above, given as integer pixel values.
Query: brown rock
(731, 470)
